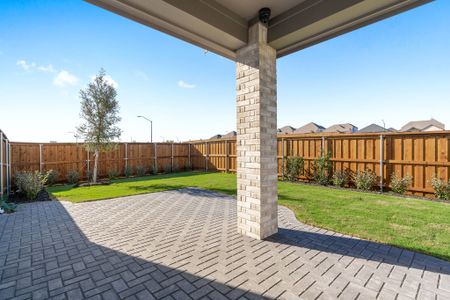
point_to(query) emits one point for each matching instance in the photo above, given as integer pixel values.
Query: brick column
(256, 136)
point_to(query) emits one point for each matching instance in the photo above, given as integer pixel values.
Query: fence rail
(5, 166)
(419, 154)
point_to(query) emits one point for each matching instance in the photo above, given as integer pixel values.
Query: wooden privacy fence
(5, 166)
(421, 155)
(65, 157)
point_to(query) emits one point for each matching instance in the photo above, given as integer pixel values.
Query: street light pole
(151, 127)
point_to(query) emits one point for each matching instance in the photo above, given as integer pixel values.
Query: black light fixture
(264, 15)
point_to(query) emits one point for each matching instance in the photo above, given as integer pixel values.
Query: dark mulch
(20, 198)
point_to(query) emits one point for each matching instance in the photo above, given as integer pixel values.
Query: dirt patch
(20, 197)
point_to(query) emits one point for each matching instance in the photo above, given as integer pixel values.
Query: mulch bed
(20, 198)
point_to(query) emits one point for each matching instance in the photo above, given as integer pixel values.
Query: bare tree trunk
(94, 173)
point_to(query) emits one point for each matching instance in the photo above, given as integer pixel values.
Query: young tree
(100, 115)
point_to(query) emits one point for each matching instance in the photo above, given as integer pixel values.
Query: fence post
(126, 156)
(206, 157)
(323, 145)
(381, 163)
(40, 158)
(282, 158)
(189, 156)
(8, 168)
(227, 157)
(156, 159)
(171, 157)
(88, 167)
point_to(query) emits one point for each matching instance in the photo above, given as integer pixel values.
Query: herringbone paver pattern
(184, 245)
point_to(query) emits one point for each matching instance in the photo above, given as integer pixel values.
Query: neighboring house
(373, 128)
(286, 130)
(217, 136)
(342, 128)
(229, 135)
(426, 125)
(310, 128)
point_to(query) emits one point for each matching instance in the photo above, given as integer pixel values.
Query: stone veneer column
(256, 136)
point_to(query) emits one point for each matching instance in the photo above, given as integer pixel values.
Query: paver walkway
(184, 245)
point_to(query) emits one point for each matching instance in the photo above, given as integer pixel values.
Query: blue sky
(396, 70)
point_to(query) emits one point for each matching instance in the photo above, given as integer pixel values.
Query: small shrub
(128, 172)
(441, 189)
(8, 207)
(293, 168)
(113, 174)
(175, 167)
(322, 169)
(153, 170)
(73, 176)
(88, 175)
(168, 168)
(340, 178)
(188, 166)
(140, 171)
(399, 184)
(364, 180)
(31, 183)
(52, 177)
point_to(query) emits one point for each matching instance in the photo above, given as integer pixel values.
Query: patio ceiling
(221, 26)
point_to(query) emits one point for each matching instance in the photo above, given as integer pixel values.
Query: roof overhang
(221, 26)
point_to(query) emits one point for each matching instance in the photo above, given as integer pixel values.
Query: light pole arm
(151, 127)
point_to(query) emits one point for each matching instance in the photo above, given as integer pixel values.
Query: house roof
(286, 129)
(221, 26)
(217, 136)
(373, 128)
(310, 128)
(230, 134)
(342, 128)
(421, 125)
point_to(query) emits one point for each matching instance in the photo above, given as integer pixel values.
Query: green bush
(113, 174)
(340, 178)
(441, 189)
(31, 183)
(364, 180)
(175, 167)
(73, 176)
(400, 184)
(293, 168)
(168, 168)
(8, 207)
(153, 170)
(128, 172)
(52, 177)
(140, 170)
(322, 168)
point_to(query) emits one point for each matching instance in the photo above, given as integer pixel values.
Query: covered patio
(184, 244)
(254, 34)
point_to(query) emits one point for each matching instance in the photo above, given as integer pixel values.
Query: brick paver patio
(184, 245)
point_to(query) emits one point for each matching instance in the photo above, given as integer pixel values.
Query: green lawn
(413, 224)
